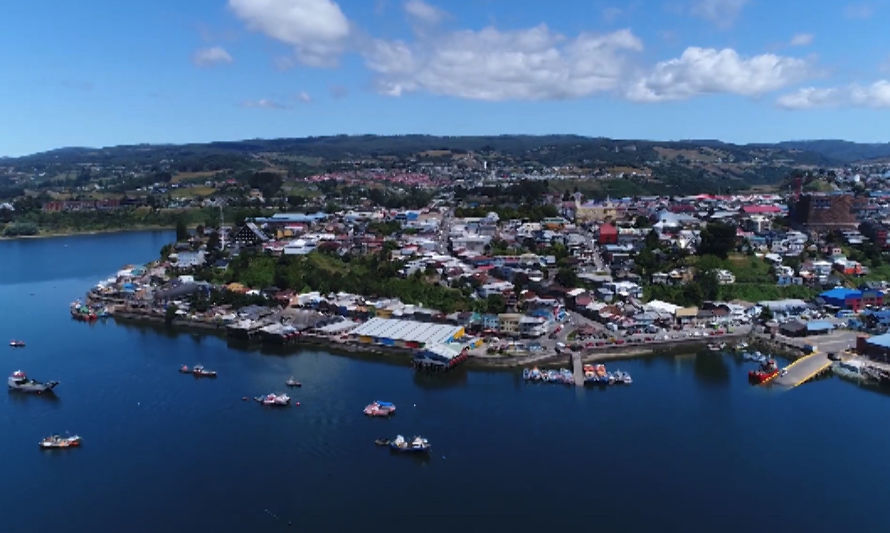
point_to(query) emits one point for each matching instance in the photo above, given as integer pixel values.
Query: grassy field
(191, 192)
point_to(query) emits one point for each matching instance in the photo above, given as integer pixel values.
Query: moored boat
(17, 343)
(198, 371)
(292, 382)
(56, 442)
(273, 399)
(416, 445)
(20, 382)
(378, 408)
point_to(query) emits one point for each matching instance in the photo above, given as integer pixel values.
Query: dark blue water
(689, 447)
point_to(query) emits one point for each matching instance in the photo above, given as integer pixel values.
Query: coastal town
(542, 278)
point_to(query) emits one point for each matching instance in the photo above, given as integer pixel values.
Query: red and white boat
(766, 373)
(378, 408)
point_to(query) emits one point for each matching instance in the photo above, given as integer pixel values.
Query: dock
(804, 369)
(577, 369)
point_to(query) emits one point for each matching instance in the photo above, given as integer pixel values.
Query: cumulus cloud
(317, 29)
(208, 57)
(491, 64)
(263, 103)
(723, 13)
(802, 39)
(875, 95)
(707, 70)
(422, 12)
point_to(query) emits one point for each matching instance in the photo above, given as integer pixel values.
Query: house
(608, 234)
(725, 277)
(534, 327)
(509, 323)
(249, 235)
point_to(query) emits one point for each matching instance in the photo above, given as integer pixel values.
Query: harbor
(697, 403)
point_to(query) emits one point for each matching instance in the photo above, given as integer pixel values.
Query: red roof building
(608, 234)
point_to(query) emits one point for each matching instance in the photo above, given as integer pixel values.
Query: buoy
(139, 404)
(298, 404)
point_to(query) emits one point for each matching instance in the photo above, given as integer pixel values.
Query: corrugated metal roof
(407, 330)
(880, 340)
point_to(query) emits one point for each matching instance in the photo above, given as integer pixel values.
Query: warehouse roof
(407, 330)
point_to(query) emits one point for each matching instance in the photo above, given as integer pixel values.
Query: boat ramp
(804, 369)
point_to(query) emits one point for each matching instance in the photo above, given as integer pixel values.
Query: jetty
(577, 369)
(804, 369)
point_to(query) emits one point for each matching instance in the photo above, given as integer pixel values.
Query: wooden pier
(577, 369)
(804, 369)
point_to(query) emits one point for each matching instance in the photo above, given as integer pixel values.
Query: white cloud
(490, 64)
(721, 12)
(858, 11)
(420, 11)
(263, 103)
(215, 55)
(317, 29)
(802, 39)
(875, 95)
(707, 70)
(304, 97)
(809, 97)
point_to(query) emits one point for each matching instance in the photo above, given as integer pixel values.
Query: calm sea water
(689, 447)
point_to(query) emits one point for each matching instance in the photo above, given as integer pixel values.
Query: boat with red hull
(766, 373)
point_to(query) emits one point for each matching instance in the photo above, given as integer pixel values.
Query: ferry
(16, 343)
(20, 382)
(416, 445)
(378, 408)
(766, 373)
(57, 442)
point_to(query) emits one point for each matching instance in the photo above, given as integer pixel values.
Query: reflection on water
(711, 367)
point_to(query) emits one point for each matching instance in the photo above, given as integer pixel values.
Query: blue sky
(106, 72)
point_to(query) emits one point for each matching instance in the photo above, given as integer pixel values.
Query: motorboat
(58, 442)
(198, 371)
(273, 399)
(378, 408)
(416, 445)
(20, 382)
(17, 343)
(292, 382)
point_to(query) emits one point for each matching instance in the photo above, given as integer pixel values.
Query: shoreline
(54, 235)
(405, 356)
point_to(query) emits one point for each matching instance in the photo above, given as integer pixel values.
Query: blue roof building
(843, 298)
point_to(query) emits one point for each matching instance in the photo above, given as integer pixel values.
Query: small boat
(274, 399)
(416, 445)
(526, 373)
(20, 382)
(741, 346)
(200, 372)
(16, 343)
(378, 408)
(55, 441)
(382, 442)
(291, 382)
